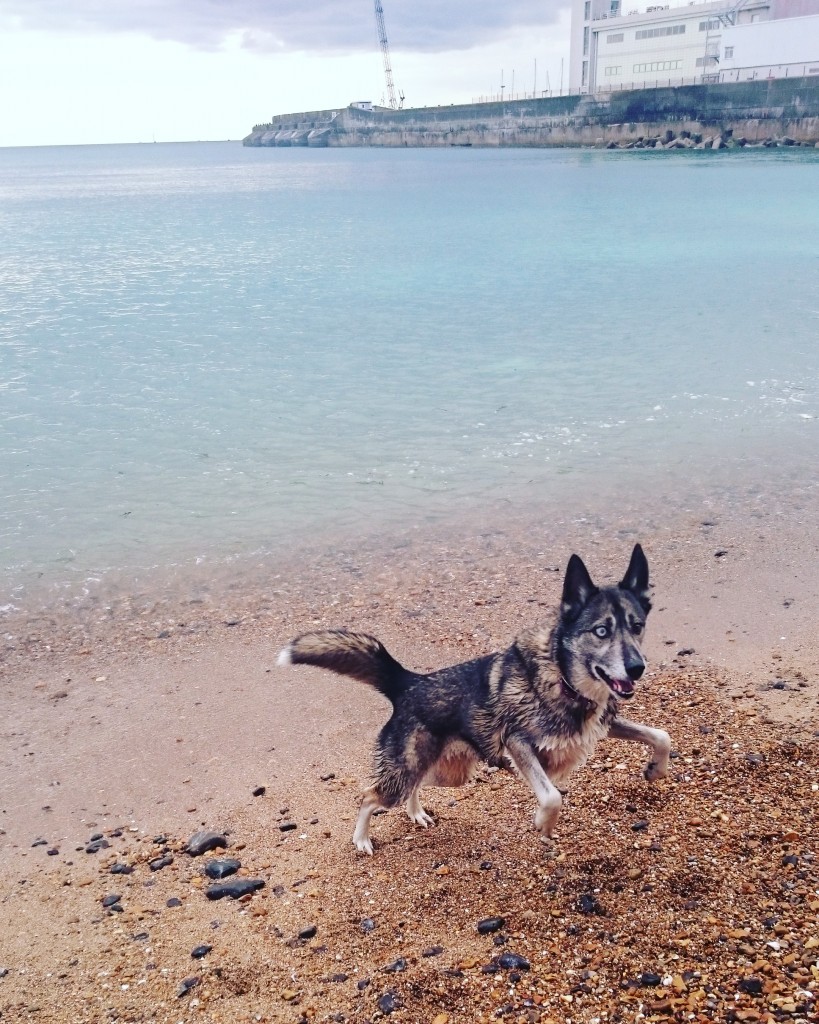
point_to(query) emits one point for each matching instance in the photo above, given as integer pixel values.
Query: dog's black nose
(635, 669)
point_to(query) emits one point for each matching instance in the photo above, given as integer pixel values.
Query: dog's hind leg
(657, 740)
(417, 812)
(369, 805)
(548, 796)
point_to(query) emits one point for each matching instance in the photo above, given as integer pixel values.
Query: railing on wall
(767, 73)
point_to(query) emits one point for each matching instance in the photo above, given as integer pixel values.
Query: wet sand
(693, 899)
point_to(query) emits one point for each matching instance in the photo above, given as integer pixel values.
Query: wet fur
(540, 706)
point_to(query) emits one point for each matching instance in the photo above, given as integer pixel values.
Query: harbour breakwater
(782, 111)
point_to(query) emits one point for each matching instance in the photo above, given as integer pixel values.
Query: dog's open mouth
(622, 687)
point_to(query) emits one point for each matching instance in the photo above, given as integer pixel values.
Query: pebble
(288, 826)
(222, 867)
(201, 842)
(753, 986)
(513, 962)
(160, 862)
(388, 1003)
(173, 902)
(3, 972)
(433, 951)
(199, 951)
(121, 869)
(588, 903)
(235, 889)
(650, 980)
(396, 966)
(308, 932)
(96, 845)
(260, 791)
(367, 925)
(185, 986)
(490, 924)
(110, 900)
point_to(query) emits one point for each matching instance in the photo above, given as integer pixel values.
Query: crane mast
(385, 53)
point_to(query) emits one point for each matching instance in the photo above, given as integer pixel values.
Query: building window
(657, 65)
(585, 40)
(614, 70)
(729, 51)
(585, 79)
(707, 62)
(665, 30)
(615, 37)
(707, 26)
(587, 11)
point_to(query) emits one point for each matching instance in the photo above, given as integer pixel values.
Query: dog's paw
(654, 770)
(545, 821)
(421, 818)
(364, 846)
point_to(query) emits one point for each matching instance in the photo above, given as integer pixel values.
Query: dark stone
(362, 983)
(721, 553)
(173, 902)
(485, 865)
(260, 791)
(650, 980)
(308, 932)
(513, 962)
(235, 889)
(753, 986)
(685, 651)
(339, 978)
(790, 858)
(396, 966)
(499, 940)
(96, 845)
(367, 925)
(587, 903)
(388, 1003)
(39, 842)
(3, 972)
(433, 951)
(53, 852)
(490, 924)
(222, 867)
(755, 758)
(160, 862)
(328, 776)
(185, 986)
(200, 951)
(201, 842)
(288, 826)
(639, 826)
(109, 901)
(121, 869)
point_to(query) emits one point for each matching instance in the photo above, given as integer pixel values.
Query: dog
(539, 707)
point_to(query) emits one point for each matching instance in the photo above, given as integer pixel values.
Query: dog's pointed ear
(578, 588)
(636, 578)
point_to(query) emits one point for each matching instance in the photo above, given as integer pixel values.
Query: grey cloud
(341, 26)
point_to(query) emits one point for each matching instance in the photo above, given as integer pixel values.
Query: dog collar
(588, 705)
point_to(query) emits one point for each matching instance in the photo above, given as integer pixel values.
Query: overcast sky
(84, 71)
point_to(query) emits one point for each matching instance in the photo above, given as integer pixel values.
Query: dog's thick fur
(542, 705)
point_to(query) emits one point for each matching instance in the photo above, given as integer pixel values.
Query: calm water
(208, 351)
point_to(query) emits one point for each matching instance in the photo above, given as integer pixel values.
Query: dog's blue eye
(601, 631)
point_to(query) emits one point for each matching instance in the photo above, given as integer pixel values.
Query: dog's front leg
(548, 796)
(657, 740)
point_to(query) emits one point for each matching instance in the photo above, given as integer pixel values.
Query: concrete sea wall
(776, 111)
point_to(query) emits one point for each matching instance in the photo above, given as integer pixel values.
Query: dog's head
(601, 630)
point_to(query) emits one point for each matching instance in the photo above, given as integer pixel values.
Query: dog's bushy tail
(351, 654)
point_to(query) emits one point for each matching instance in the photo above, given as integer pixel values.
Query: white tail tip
(285, 657)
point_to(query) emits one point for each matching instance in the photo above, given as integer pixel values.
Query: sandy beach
(692, 899)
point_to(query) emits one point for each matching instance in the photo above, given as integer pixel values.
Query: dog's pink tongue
(624, 686)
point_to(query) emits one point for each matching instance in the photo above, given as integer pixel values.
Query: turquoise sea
(210, 354)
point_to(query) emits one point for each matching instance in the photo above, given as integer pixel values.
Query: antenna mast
(385, 53)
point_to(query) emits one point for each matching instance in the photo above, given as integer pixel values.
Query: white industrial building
(690, 43)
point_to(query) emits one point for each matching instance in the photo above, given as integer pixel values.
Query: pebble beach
(693, 899)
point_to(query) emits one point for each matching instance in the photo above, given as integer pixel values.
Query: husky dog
(540, 706)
